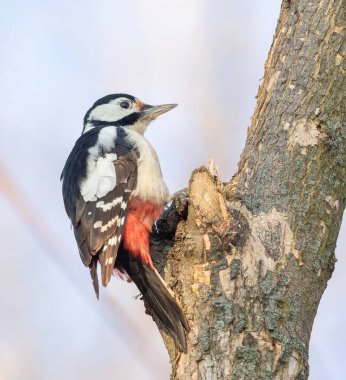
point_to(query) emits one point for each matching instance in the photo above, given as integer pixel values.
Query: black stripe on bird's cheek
(125, 121)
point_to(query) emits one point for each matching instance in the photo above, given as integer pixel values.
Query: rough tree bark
(249, 260)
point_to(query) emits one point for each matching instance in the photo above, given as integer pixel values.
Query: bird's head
(124, 111)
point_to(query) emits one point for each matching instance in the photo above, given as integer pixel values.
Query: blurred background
(57, 58)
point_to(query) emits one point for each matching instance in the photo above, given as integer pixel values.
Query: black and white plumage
(98, 179)
(113, 191)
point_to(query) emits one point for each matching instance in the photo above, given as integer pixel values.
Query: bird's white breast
(150, 183)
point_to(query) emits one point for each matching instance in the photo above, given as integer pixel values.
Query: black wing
(98, 223)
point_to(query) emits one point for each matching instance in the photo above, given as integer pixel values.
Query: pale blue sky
(57, 58)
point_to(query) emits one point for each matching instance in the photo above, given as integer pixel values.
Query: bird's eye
(124, 104)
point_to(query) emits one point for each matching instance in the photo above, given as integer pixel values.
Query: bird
(113, 192)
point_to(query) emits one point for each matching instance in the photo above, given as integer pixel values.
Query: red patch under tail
(139, 221)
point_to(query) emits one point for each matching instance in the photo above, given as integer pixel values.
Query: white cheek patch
(109, 112)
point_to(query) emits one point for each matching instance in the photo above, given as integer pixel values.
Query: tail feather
(157, 296)
(93, 274)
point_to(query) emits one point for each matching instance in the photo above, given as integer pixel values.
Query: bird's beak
(154, 111)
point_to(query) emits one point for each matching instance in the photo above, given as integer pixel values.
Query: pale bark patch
(293, 367)
(334, 203)
(206, 240)
(273, 80)
(304, 133)
(201, 276)
(338, 29)
(286, 126)
(205, 198)
(226, 284)
(270, 233)
(338, 59)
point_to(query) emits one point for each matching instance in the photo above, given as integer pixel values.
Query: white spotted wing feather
(102, 208)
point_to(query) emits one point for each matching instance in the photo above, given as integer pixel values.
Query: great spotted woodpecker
(113, 192)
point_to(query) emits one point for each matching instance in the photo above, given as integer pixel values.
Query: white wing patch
(101, 177)
(107, 136)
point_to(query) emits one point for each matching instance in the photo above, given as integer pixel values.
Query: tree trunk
(249, 260)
